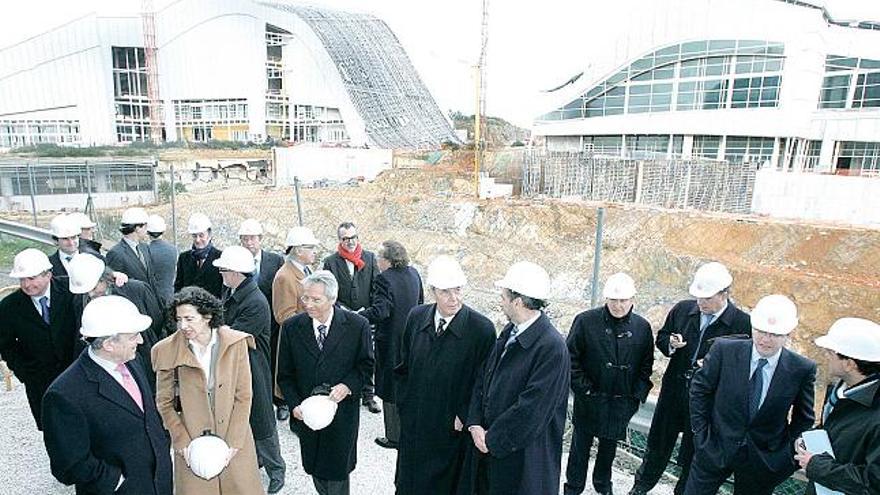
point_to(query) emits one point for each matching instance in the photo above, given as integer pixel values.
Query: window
(860, 156)
(867, 92)
(755, 92)
(647, 146)
(743, 149)
(840, 73)
(706, 147)
(834, 91)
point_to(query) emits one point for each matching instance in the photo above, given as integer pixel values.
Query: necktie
(44, 308)
(829, 406)
(322, 336)
(705, 321)
(140, 255)
(307, 271)
(68, 258)
(129, 385)
(756, 386)
(510, 339)
(256, 267)
(441, 326)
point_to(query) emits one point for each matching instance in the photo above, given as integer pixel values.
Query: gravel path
(25, 466)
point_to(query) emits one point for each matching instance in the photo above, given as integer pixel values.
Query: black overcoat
(520, 398)
(347, 357)
(611, 363)
(354, 292)
(435, 378)
(59, 273)
(270, 263)
(122, 259)
(248, 311)
(36, 352)
(206, 276)
(398, 290)
(95, 432)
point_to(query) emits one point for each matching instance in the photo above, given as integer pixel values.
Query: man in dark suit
(517, 411)
(130, 255)
(267, 264)
(195, 266)
(163, 258)
(65, 231)
(246, 310)
(687, 333)
(37, 332)
(356, 270)
(749, 402)
(87, 231)
(103, 433)
(325, 347)
(441, 351)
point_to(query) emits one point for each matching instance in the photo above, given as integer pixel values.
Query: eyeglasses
(349, 238)
(312, 300)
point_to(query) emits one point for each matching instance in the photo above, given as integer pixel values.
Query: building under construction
(236, 70)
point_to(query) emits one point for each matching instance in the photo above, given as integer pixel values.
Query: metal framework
(149, 25)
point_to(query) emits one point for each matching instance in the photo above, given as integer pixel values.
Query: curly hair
(205, 303)
(395, 253)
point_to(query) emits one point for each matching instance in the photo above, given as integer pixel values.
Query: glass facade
(850, 83)
(74, 178)
(747, 149)
(130, 94)
(859, 155)
(18, 133)
(706, 147)
(698, 75)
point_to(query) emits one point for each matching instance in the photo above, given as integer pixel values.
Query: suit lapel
(306, 334)
(743, 362)
(780, 375)
(109, 388)
(342, 269)
(335, 332)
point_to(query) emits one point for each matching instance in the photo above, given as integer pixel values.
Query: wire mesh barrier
(697, 184)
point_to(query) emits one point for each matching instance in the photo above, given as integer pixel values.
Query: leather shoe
(637, 491)
(385, 443)
(275, 486)
(372, 406)
(282, 413)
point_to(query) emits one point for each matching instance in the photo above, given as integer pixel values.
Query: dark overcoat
(354, 292)
(520, 398)
(206, 276)
(36, 352)
(248, 311)
(95, 432)
(854, 430)
(270, 263)
(347, 357)
(398, 290)
(163, 258)
(59, 273)
(435, 379)
(122, 259)
(611, 364)
(720, 410)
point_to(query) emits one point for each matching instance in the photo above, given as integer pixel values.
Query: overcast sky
(442, 39)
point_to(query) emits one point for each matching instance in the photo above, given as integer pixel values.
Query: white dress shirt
(204, 357)
(36, 299)
(768, 370)
(316, 323)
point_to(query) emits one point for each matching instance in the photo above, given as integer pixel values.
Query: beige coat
(287, 288)
(228, 420)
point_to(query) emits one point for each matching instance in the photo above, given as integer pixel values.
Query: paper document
(817, 442)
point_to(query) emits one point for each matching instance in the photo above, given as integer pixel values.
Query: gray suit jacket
(163, 255)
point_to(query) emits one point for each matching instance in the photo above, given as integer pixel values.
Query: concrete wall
(853, 200)
(311, 163)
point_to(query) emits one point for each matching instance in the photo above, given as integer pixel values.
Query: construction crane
(479, 114)
(148, 17)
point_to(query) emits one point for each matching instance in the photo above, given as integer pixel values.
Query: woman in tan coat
(208, 366)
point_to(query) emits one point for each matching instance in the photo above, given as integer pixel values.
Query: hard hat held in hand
(207, 456)
(156, 224)
(198, 223)
(318, 411)
(619, 286)
(236, 259)
(106, 316)
(134, 216)
(63, 226)
(855, 338)
(528, 279)
(84, 271)
(300, 236)
(710, 279)
(445, 273)
(775, 314)
(250, 227)
(30, 263)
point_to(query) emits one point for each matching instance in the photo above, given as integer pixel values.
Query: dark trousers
(667, 423)
(706, 478)
(368, 391)
(34, 393)
(273, 347)
(579, 461)
(269, 456)
(392, 421)
(331, 487)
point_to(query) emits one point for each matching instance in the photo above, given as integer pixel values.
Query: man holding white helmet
(87, 231)
(517, 411)
(37, 332)
(851, 415)
(103, 433)
(747, 427)
(195, 266)
(443, 346)
(612, 355)
(130, 255)
(163, 257)
(325, 348)
(689, 330)
(246, 310)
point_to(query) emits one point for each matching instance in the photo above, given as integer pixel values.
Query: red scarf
(353, 256)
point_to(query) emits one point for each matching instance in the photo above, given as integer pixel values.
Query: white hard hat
(109, 315)
(855, 338)
(619, 286)
(318, 411)
(84, 271)
(710, 279)
(155, 224)
(30, 263)
(64, 226)
(134, 216)
(236, 259)
(775, 314)
(207, 456)
(198, 223)
(83, 220)
(300, 236)
(528, 279)
(250, 227)
(445, 273)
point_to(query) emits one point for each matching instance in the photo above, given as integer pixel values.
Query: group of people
(155, 373)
